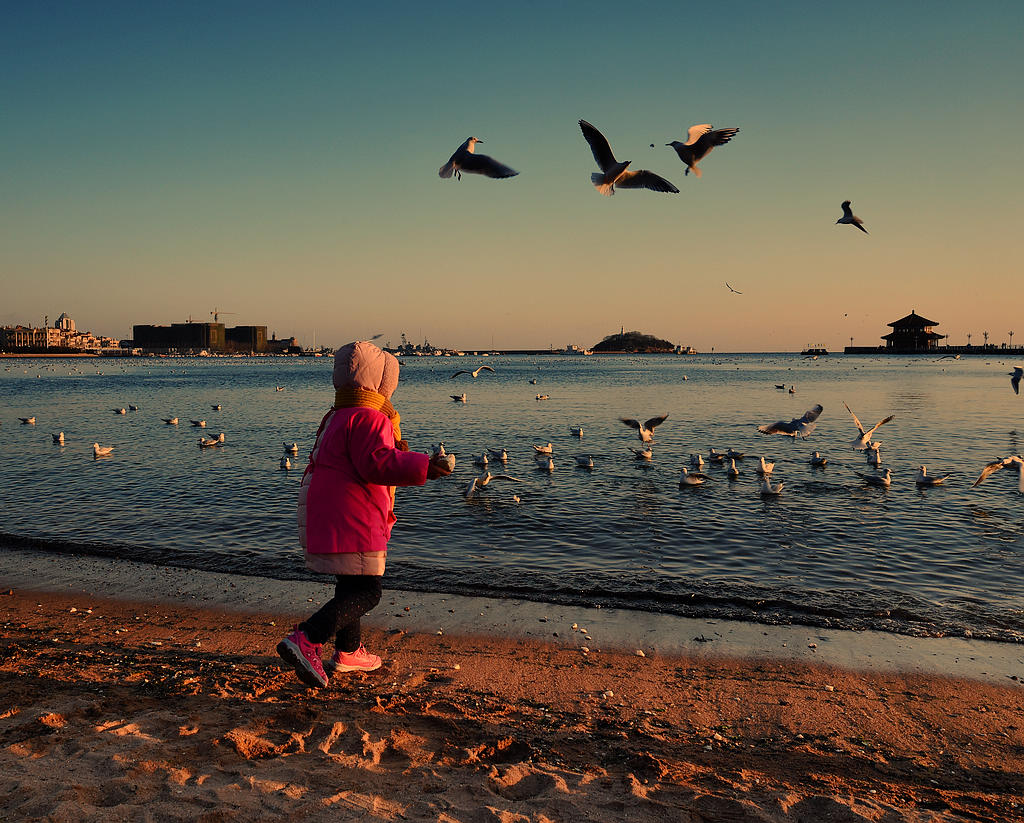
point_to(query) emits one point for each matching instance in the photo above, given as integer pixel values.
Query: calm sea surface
(830, 551)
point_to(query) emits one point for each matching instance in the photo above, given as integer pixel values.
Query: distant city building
(912, 333)
(196, 337)
(247, 339)
(62, 336)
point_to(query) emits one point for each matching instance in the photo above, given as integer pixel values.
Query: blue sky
(279, 161)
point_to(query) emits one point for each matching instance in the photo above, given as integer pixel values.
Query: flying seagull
(699, 141)
(645, 430)
(850, 218)
(862, 441)
(484, 479)
(465, 160)
(613, 173)
(798, 426)
(732, 289)
(475, 372)
(1015, 377)
(1016, 461)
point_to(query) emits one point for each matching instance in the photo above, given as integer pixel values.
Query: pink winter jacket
(344, 500)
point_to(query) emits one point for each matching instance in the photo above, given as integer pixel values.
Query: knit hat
(361, 365)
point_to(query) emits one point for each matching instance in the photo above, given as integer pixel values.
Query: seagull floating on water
(798, 426)
(291, 448)
(700, 140)
(645, 430)
(132, 407)
(119, 411)
(584, 461)
(1014, 461)
(480, 459)
(765, 468)
(465, 159)
(817, 460)
(101, 451)
(208, 442)
(199, 424)
(501, 455)
(543, 396)
(688, 478)
(475, 373)
(576, 431)
(58, 438)
(732, 471)
(642, 454)
(27, 421)
(1015, 377)
(850, 218)
(216, 407)
(286, 464)
(697, 461)
(883, 480)
(548, 449)
(613, 173)
(861, 442)
(458, 398)
(767, 489)
(170, 421)
(923, 478)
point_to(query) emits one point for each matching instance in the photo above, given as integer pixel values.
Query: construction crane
(216, 313)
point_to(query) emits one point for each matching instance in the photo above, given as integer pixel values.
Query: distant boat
(815, 350)
(580, 350)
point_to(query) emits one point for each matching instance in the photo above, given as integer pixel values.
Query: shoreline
(162, 699)
(612, 629)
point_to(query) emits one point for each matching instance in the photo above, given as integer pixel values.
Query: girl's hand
(440, 467)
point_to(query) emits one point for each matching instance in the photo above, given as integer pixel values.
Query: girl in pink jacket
(346, 508)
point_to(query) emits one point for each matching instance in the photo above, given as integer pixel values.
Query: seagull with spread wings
(850, 218)
(798, 426)
(613, 173)
(1016, 461)
(484, 479)
(645, 430)
(861, 442)
(700, 140)
(475, 373)
(732, 289)
(467, 160)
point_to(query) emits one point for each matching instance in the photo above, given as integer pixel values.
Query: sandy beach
(167, 702)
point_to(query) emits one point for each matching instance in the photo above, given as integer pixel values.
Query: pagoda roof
(913, 319)
(902, 335)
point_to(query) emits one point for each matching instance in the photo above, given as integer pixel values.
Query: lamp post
(985, 335)
(968, 339)
(1011, 339)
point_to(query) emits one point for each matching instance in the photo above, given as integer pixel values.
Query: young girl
(346, 508)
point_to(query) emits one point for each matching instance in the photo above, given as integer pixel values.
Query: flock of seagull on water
(694, 475)
(691, 476)
(700, 140)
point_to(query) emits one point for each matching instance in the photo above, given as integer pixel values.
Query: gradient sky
(279, 161)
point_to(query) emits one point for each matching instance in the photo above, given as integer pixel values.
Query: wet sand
(132, 692)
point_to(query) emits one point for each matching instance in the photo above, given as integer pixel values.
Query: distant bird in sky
(613, 173)
(458, 398)
(1014, 461)
(732, 289)
(645, 430)
(924, 479)
(798, 426)
(475, 373)
(466, 160)
(861, 442)
(700, 140)
(850, 218)
(1015, 377)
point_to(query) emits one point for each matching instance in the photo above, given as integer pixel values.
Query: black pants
(354, 596)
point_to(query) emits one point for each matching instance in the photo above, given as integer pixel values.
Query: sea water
(830, 550)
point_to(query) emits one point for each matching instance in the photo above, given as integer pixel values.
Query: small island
(634, 342)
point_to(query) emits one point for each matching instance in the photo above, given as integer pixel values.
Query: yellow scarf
(351, 398)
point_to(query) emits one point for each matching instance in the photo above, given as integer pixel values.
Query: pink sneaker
(304, 656)
(358, 661)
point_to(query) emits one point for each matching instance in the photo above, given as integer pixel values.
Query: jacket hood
(361, 365)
